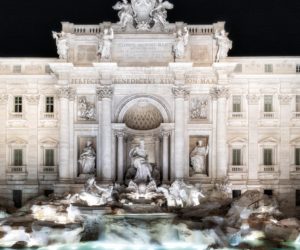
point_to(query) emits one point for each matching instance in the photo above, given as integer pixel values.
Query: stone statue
(198, 158)
(139, 159)
(159, 13)
(105, 42)
(86, 111)
(87, 160)
(182, 39)
(125, 13)
(224, 45)
(61, 44)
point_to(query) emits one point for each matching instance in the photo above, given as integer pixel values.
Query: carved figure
(182, 39)
(198, 158)
(139, 159)
(159, 13)
(125, 13)
(87, 111)
(199, 109)
(224, 45)
(61, 44)
(87, 159)
(105, 42)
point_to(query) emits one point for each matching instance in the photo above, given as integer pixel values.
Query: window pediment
(295, 142)
(237, 141)
(270, 141)
(17, 141)
(48, 142)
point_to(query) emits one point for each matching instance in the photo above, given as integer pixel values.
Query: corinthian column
(63, 94)
(165, 136)
(120, 161)
(105, 93)
(221, 93)
(179, 93)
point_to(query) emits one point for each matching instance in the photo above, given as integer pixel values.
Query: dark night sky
(257, 27)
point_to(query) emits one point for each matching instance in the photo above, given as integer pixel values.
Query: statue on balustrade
(61, 44)
(182, 39)
(141, 171)
(224, 44)
(198, 158)
(125, 13)
(87, 160)
(105, 42)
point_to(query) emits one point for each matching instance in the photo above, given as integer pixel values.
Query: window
(297, 198)
(268, 192)
(268, 161)
(268, 68)
(17, 198)
(49, 157)
(18, 157)
(237, 104)
(268, 103)
(298, 103)
(298, 68)
(18, 104)
(236, 193)
(297, 156)
(236, 157)
(49, 104)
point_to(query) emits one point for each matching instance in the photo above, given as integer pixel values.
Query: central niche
(143, 116)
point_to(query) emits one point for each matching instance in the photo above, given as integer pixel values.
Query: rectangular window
(298, 68)
(18, 157)
(268, 154)
(268, 103)
(236, 157)
(18, 104)
(49, 157)
(298, 103)
(297, 198)
(268, 68)
(237, 104)
(236, 193)
(297, 156)
(49, 104)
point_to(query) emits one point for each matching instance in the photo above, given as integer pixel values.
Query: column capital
(285, 99)
(120, 133)
(219, 92)
(3, 99)
(165, 133)
(253, 99)
(180, 91)
(66, 93)
(105, 92)
(33, 99)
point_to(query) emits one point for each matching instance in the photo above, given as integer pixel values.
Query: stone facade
(245, 110)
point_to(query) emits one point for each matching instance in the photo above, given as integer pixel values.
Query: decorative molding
(165, 133)
(33, 99)
(180, 92)
(219, 92)
(66, 92)
(285, 99)
(17, 141)
(120, 133)
(3, 99)
(104, 92)
(253, 99)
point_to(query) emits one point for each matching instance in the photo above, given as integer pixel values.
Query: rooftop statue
(143, 14)
(105, 41)
(224, 44)
(61, 44)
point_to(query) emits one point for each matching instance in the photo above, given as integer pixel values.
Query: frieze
(201, 80)
(83, 81)
(143, 80)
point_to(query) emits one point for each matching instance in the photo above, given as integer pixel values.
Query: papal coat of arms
(143, 14)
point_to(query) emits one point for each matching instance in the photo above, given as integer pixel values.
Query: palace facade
(203, 116)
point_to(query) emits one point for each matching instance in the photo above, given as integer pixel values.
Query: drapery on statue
(139, 160)
(61, 44)
(198, 158)
(159, 13)
(105, 41)
(125, 13)
(224, 45)
(87, 159)
(182, 39)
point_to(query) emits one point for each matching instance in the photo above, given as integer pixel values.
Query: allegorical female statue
(224, 45)
(182, 39)
(198, 158)
(105, 44)
(87, 159)
(61, 44)
(139, 159)
(125, 13)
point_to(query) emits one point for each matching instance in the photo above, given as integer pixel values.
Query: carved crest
(142, 9)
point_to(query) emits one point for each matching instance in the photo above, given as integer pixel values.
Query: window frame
(270, 108)
(235, 105)
(18, 104)
(49, 105)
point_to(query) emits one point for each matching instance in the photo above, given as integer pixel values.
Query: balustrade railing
(49, 115)
(17, 169)
(269, 115)
(16, 116)
(297, 115)
(237, 115)
(237, 169)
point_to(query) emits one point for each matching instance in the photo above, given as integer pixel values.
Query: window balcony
(268, 115)
(16, 173)
(237, 169)
(295, 172)
(238, 172)
(268, 172)
(49, 116)
(48, 173)
(237, 115)
(16, 116)
(296, 115)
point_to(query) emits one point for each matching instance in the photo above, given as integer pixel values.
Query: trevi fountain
(144, 156)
